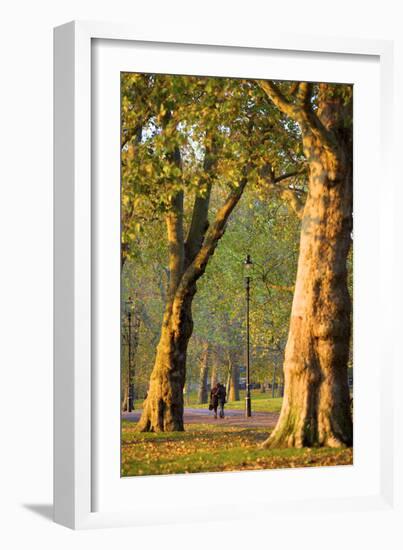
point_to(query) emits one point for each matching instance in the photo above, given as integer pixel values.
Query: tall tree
(316, 408)
(163, 408)
(189, 250)
(189, 146)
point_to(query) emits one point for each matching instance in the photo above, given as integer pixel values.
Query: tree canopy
(214, 169)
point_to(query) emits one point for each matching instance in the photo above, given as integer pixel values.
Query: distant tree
(202, 394)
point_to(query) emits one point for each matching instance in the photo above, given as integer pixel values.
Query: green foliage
(165, 116)
(168, 123)
(269, 232)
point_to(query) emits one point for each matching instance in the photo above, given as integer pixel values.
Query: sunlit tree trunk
(233, 382)
(163, 408)
(202, 395)
(213, 379)
(315, 409)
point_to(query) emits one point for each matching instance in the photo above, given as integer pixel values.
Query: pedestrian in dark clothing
(214, 400)
(221, 395)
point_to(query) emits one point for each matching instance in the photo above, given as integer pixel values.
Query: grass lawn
(262, 402)
(212, 448)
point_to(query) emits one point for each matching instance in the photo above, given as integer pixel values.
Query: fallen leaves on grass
(203, 448)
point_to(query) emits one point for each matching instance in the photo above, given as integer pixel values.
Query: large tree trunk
(163, 407)
(315, 409)
(202, 395)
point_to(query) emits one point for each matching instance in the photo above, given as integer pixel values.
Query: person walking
(213, 406)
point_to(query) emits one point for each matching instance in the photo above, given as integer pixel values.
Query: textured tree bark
(163, 407)
(315, 409)
(202, 395)
(213, 379)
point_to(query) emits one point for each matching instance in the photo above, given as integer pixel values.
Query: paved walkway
(232, 418)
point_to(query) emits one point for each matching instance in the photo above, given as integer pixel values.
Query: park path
(232, 418)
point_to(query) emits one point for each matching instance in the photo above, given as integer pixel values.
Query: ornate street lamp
(247, 270)
(129, 393)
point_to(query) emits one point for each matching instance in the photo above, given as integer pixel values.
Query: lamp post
(129, 396)
(248, 266)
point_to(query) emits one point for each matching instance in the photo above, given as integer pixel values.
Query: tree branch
(326, 137)
(128, 135)
(213, 235)
(304, 94)
(199, 223)
(300, 112)
(291, 197)
(174, 223)
(283, 177)
(280, 287)
(276, 96)
(176, 241)
(289, 194)
(293, 88)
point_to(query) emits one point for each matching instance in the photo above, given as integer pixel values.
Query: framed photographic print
(214, 302)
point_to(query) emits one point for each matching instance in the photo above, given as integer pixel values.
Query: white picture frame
(77, 471)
